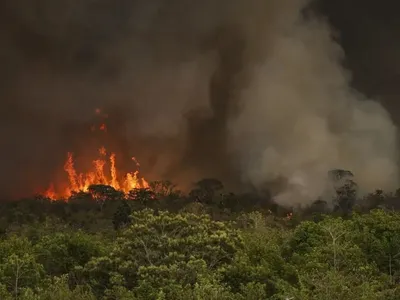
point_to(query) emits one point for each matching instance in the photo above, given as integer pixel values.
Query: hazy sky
(369, 32)
(199, 87)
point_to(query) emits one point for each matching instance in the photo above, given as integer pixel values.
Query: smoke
(245, 91)
(300, 118)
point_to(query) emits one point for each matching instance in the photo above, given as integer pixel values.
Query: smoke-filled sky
(247, 91)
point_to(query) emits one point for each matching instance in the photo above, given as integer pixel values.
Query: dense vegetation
(161, 244)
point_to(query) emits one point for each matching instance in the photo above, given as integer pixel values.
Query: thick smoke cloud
(300, 118)
(245, 91)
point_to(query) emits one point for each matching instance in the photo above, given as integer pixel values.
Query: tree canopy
(160, 243)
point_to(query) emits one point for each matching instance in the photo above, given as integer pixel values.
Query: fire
(82, 181)
(103, 127)
(104, 172)
(113, 169)
(103, 151)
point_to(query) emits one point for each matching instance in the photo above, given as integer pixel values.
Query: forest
(160, 243)
(239, 92)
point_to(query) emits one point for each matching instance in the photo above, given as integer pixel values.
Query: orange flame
(103, 151)
(70, 169)
(82, 181)
(102, 165)
(103, 127)
(50, 193)
(114, 180)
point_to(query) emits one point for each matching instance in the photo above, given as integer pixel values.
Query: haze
(244, 91)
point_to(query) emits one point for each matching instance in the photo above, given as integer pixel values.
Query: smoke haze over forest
(247, 91)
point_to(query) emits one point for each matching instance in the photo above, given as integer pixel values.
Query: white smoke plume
(300, 118)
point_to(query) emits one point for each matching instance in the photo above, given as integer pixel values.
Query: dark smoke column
(207, 135)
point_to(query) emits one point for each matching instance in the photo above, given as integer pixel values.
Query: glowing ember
(103, 151)
(99, 112)
(103, 127)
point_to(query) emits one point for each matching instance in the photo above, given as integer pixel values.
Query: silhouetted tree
(346, 190)
(142, 196)
(102, 193)
(121, 216)
(205, 190)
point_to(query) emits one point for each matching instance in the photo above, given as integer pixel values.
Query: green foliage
(60, 253)
(18, 266)
(108, 246)
(378, 235)
(162, 249)
(58, 289)
(260, 267)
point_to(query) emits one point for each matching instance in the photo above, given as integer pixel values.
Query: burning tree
(104, 172)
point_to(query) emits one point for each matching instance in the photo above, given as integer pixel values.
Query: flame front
(104, 171)
(82, 181)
